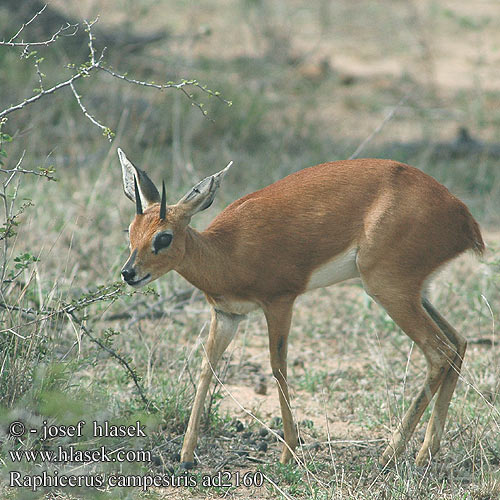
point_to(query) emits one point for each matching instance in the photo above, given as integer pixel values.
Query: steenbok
(384, 222)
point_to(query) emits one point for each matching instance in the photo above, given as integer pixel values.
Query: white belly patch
(340, 268)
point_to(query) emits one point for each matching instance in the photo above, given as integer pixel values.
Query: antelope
(381, 221)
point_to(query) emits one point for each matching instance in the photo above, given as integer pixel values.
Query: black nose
(128, 274)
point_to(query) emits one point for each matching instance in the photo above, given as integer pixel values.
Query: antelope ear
(202, 195)
(147, 190)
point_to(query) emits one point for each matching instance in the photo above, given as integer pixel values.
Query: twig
(43, 93)
(91, 65)
(91, 38)
(168, 85)
(44, 43)
(39, 74)
(70, 311)
(106, 130)
(41, 173)
(115, 355)
(111, 292)
(18, 170)
(85, 70)
(13, 171)
(381, 125)
(95, 64)
(352, 442)
(27, 23)
(172, 85)
(11, 222)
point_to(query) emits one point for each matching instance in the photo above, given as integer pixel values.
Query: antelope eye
(161, 241)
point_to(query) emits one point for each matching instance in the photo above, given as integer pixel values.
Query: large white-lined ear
(202, 195)
(147, 190)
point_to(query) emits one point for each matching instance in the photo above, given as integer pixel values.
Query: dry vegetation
(309, 81)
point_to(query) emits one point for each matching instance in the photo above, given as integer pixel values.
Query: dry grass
(309, 81)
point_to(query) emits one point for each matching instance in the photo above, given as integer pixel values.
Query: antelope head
(158, 232)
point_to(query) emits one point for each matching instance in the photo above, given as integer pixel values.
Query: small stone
(263, 432)
(262, 446)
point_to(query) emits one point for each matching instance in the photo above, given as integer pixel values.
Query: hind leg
(435, 427)
(401, 299)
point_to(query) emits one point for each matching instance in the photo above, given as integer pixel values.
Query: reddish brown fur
(269, 242)
(264, 247)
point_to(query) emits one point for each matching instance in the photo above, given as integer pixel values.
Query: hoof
(286, 456)
(186, 466)
(427, 453)
(423, 458)
(387, 460)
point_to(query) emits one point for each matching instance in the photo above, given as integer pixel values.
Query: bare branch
(182, 85)
(44, 93)
(45, 43)
(84, 70)
(105, 130)
(14, 170)
(43, 172)
(111, 293)
(115, 355)
(108, 292)
(91, 65)
(27, 24)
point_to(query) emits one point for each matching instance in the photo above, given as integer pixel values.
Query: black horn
(138, 205)
(163, 203)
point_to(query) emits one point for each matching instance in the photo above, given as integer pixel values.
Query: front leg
(222, 329)
(279, 317)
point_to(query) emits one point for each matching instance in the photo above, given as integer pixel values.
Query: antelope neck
(204, 264)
